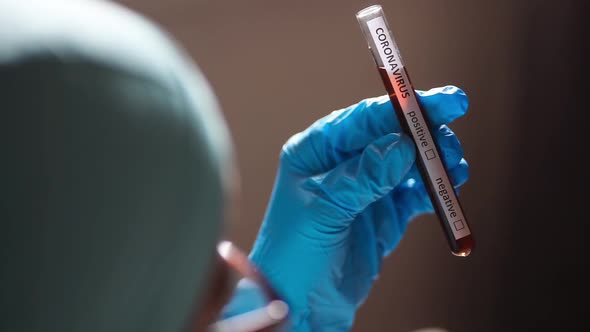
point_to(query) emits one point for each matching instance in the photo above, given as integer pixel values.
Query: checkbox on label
(430, 154)
(459, 225)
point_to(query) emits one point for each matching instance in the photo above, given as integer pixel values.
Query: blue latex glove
(346, 189)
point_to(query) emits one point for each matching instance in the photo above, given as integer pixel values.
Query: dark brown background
(276, 66)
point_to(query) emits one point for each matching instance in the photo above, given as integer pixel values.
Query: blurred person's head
(115, 167)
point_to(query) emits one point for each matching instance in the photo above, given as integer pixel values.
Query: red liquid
(463, 246)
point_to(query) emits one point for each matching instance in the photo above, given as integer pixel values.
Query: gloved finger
(458, 173)
(450, 148)
(411, 198)
(345, 133)
(444, 104)
(391, 214)
(247, 296)
(344, 192)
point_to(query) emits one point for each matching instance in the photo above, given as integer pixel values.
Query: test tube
(415, 124)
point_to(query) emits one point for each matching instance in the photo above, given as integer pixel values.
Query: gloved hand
(346, 189)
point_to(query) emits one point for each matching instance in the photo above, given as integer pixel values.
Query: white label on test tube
(443, 189)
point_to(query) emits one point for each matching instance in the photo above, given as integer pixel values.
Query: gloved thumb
(353, 185)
